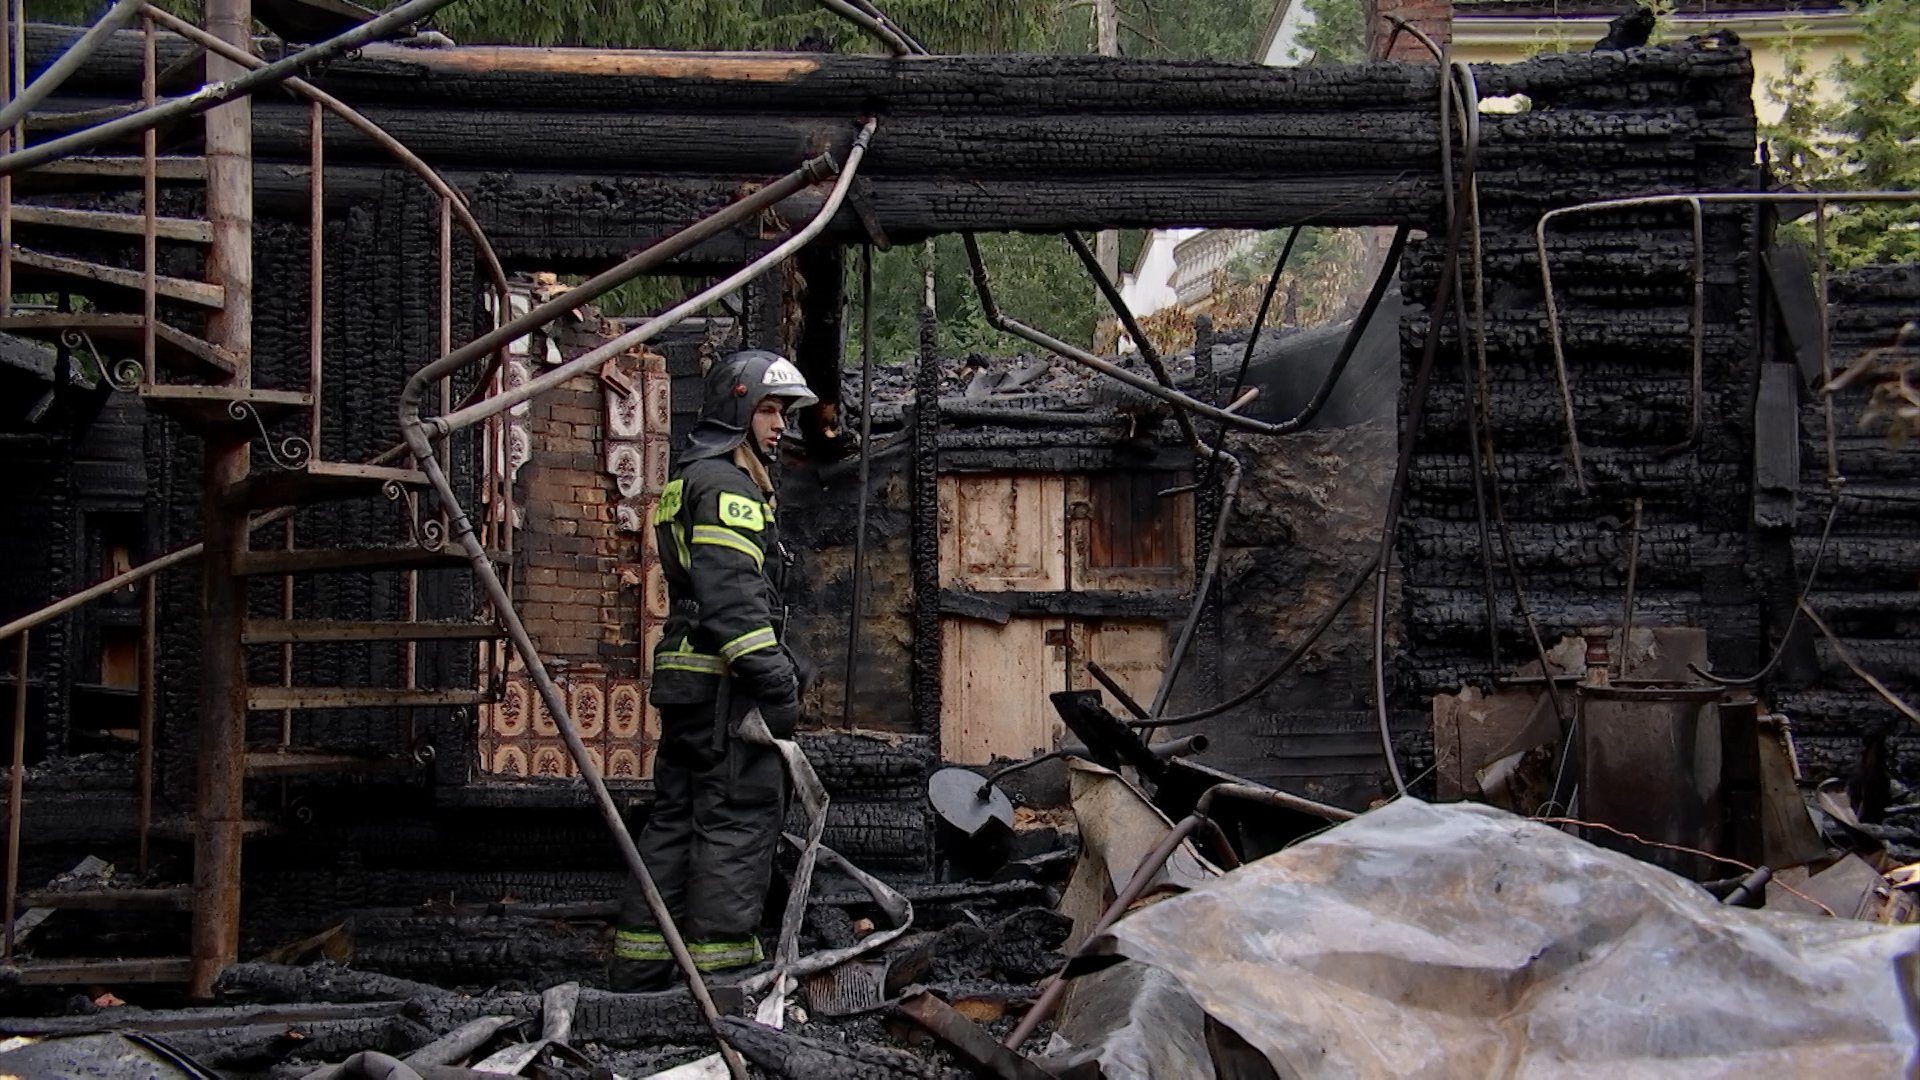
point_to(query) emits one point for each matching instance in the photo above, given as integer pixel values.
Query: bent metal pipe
(420, 434)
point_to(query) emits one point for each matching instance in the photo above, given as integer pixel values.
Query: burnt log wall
(1624, 285)
(1869, 575)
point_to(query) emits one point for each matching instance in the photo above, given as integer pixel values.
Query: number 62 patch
(741, 513)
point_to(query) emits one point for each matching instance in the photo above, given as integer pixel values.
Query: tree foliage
(1036, 278)
(1863, 136)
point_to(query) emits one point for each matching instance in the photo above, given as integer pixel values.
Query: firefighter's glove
(781, 717)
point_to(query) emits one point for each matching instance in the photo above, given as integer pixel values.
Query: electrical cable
(1260, 685)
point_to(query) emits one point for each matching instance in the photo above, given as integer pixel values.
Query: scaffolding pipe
(209, 97)
(117, 17)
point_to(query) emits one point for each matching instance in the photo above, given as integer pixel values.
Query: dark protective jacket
(720, 548)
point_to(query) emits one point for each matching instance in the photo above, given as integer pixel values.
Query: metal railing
(297, 451)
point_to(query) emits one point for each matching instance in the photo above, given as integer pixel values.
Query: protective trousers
(709, 844)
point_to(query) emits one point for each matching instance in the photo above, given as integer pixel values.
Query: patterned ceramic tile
(550, 760)
(587, 702)
(626, 706)
(509, 760)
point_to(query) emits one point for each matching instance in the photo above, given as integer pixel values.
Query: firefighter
(719, 799)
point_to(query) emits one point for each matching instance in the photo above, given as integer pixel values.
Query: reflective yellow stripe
(721, 536)
(690, 661)
(713, 955)
(751, 641)
(640, 945)
(680, 545)
(669, 504)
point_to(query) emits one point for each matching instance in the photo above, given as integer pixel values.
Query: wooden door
(994, 682)
(1003, 532)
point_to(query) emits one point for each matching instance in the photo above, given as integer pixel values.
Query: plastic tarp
(1459, 940)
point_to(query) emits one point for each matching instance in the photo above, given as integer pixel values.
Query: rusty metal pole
(15, 783)
(149, 212)
(149, 709)
(220, 752)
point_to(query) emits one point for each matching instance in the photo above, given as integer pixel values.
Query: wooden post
(222, 733)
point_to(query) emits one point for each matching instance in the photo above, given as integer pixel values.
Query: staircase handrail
(208, 97)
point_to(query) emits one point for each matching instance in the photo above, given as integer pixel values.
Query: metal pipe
(472, 414)
(1113, 687)
(1819, 199)
(208, 97)
(1299, 650)
(1267, 796)
(1183, 746)
(1633, 574)
(416, 431)
(149, 713)
(1750, 886)
(1148, 869)
(1143, 876)
(49, 80)
(653, 256)
(149, 211)
(15, 785)
(316, 234)
(1140, 339)
(866, 477)
(516, 632)
(880, 31)
(1216, 551)
(371, 130)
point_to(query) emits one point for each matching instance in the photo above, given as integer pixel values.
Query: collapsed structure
(1635, 440)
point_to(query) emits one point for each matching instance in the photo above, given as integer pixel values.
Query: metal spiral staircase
(132, 320)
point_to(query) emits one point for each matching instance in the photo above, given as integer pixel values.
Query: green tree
(1338, 34)
(1864, 137)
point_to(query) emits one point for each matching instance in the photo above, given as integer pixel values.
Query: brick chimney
(1435, 17)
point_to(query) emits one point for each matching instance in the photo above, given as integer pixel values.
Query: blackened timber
(984, 143)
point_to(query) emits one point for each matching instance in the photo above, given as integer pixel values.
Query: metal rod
(149, 712)
(416, 431)
(1846, 657)
(286, 648)
(1826, 345)
(1216, 551)
(371, 130)
(669, 247)
(1141, 341)
(77, 54)
(316, 269)
(881, 32)
(7, 143)
(1148, 869)
(149, 209)
(214, 95)
(472, 414)
(1119, 692)
(1697, 389)
(15, 783)
(866, 477)
(1633, 573)
(1820, 201)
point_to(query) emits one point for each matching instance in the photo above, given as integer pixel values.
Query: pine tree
(1866, 138)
